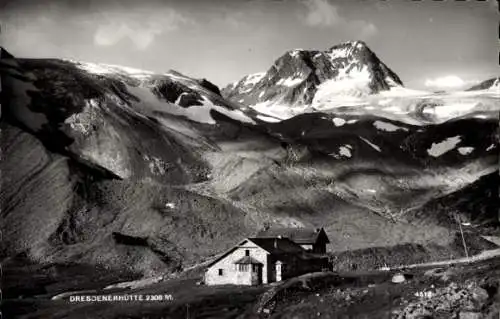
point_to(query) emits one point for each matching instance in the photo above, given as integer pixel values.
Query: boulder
(398, 278)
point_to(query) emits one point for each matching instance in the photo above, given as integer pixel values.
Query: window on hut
(243, 267)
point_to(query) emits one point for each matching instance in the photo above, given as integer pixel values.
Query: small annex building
(256, 261)
(312, 240)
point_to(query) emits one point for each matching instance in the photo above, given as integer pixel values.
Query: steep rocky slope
(91, 169)
(153, 172)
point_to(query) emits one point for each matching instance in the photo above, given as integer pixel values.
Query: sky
(429, 44)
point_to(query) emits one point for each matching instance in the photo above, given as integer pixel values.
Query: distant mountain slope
(304, 77)
(172, 87)
(493, 84)
(342, 137)
(349, 78)
(476, 206)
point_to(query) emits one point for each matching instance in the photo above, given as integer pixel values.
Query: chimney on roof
(318, 229)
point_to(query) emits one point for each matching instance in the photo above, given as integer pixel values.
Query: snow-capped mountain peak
(492, 84)
(302, 78)
(346, 49)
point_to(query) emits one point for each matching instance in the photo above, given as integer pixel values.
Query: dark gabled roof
(277, 245)
(248, 260)
(301, 236)
(305, 256)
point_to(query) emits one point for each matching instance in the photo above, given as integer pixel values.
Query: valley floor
(441, 290)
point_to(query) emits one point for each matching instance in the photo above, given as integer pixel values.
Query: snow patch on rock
(268, 119)
(339, 53)
(234, 114)
(170, 205)
(438, 149)
(295, 53)
(179, 98)
(282, 111)
(465, 150)
(338, 121)
(352, 83)
(198, 113)
(451, 109)
(102, 68)
(481, 116)
(375, 147)
(290, 81)
(388, 127)
(344, 152)
(253, 79)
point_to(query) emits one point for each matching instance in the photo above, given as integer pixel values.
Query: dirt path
(482, 256)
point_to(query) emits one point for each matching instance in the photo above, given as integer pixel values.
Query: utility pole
(462, 234)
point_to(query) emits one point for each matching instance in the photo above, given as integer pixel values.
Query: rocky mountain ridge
(490, 84)
(304, 77)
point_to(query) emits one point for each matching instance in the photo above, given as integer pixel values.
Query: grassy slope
(40, 192)
(57, 210)
(308, 195)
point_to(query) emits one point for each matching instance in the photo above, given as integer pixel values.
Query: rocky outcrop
(456, 301)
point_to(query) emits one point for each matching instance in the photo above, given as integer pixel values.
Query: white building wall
(231, 275)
